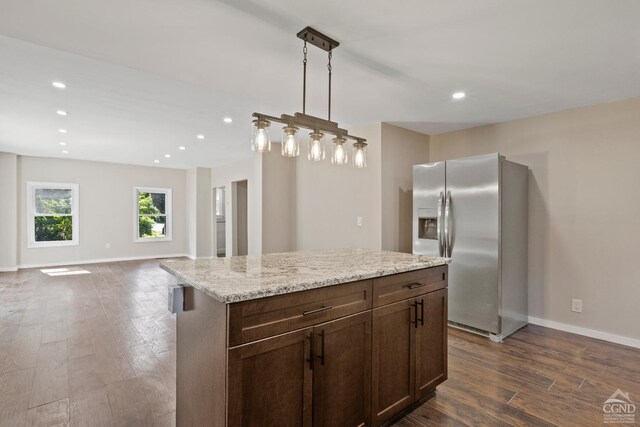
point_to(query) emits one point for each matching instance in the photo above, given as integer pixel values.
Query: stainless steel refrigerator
(474, 210)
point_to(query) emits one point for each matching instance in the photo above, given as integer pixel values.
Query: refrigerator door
(428, 206)
(473, 236)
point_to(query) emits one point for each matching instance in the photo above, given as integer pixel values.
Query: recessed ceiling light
(59, 85)
(458, 95)
(200, 136)
(156, 161)
(182, 147)
(61, 113)
(62, 130)
(228, 119)
(65, 152)
(63, 143)
(167, 155)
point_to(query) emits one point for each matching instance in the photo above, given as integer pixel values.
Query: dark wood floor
(98, 349)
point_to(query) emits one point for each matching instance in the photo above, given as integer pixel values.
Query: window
(153, 214)
(53, 214)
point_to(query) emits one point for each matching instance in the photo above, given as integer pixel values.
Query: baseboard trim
(592, 333)
(8, 269)
(100, 260)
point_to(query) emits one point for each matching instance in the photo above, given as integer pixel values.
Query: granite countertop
(242, 278)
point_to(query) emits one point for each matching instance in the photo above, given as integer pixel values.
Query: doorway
(220, 221)
(240, 217)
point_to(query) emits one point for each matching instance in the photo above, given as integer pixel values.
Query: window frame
(31, 214)
(168, 214)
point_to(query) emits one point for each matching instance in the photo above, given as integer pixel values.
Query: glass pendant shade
(261, 141)
(290, 145)
(339, 151)
(360, 155)
(316, 146)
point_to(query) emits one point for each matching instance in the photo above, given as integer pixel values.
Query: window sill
(35, 245)
(152, 239)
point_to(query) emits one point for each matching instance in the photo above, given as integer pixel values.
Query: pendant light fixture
(359, 155)
(290, 145)
(261, 141)
(339, 151)
(316, 146)
(319, 127)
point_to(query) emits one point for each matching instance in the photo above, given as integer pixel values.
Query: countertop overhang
(242, 278)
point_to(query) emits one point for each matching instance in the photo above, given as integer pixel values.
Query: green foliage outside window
(151, 219)
(53, 227)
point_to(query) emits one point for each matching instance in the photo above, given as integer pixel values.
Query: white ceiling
(145, 76)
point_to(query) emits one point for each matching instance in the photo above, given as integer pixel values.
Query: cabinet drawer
(388, 289)
(256, 319)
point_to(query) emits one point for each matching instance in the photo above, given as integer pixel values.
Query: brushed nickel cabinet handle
(317, 310)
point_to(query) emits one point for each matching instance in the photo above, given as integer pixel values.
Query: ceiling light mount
(261, 141)
(318, 39)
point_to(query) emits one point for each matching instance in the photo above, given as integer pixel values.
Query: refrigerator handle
(440, 224)
(448, 229)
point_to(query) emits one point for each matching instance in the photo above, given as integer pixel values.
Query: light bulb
(360, 154)
(316, 146)
(290, 146)
(339, 152)
(261, 141)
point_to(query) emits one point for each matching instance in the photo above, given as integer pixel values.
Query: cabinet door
(270, 382)
(393, 363)
(342, 372)
(431, 342)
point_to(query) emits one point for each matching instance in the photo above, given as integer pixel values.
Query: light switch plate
(576, 305)
(359, 221)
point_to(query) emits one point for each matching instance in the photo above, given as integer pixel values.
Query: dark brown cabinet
(342, 372)
(431, 342)
(393, 363)
(324, 371)
(270, 382)
(354, 354)
(409, 352)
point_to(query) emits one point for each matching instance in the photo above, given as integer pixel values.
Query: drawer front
(266, 317)
(397, 287)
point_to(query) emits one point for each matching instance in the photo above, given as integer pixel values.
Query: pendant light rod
(329, 68)
(304, 78)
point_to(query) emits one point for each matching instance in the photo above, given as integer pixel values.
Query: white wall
(401, 149)
(278, 202)
(9, 212)
(330, 197)
(106, 209)
(251, 170)
(200, 215)
(584, 209)
(192, 212)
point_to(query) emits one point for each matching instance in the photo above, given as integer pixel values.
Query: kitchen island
(334, 338)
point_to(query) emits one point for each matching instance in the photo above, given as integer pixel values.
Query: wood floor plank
(51, 380)
(129, 406)
(52, 414)
(91, 409)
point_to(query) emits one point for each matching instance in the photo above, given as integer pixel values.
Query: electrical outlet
(576, 305)
(108, 245)
(359, 221)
